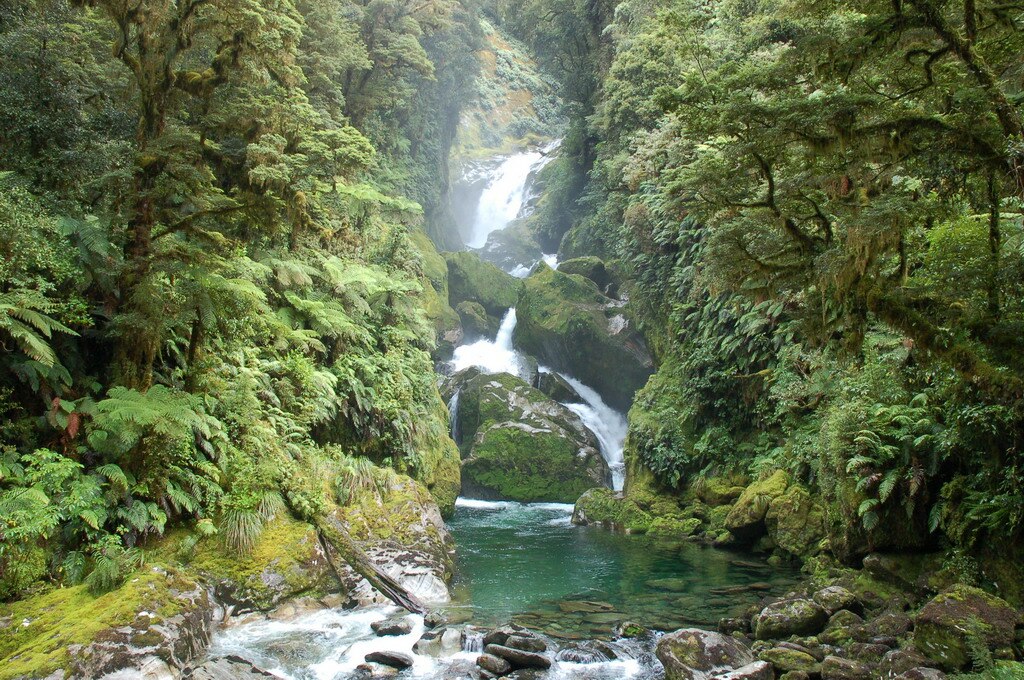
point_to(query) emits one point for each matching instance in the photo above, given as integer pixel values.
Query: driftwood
(336, 539)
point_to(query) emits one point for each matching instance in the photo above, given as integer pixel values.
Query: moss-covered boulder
(608, 509)
(476, 323)
(797, 616)
(474, 280)
(961, 624)
(716, 491)
(156, 623)
(589, 267)
(796, 522)
(568, 324)
(694, 654)
(557, 387)
(518, 444)
(286, 562)
(746, 518)
(512, 247)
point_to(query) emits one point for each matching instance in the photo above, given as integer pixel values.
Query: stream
(527, 563)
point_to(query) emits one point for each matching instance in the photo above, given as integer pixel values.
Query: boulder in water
(694, 654)
(526, 643)
(518, 658)
(519, 445)
(476, 324)
(471, 279)
(589, 267)
(393, 626)
(494, 664)
(227, 668)
(567, 323)
(390, 658)
(557, 387)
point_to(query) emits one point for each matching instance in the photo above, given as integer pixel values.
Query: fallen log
(336, 540)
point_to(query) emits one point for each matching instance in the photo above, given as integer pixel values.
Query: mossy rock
(439, 465)
(475, 322)
(673, 529)
(566, 322)
(961, 624)
(286, 562)
(556, 387)
(787, 660)
(588, 267)
(716, 491)
(518, 444)
(442, 316)
(746, 518)
(471, 279)
(513, 246)
(605, 507)
(796, 522)
(159, 613)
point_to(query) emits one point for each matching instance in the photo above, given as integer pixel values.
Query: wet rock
(518, 658)
(452, 640)
(891, 624)
(675, 585)
(693, 654)
(583, 606)
(898, 662)
(836, 598)
(746, 518)
(499, 636)
(630, 629)
(837, 668)
(758, 670)
(785, 659)
(526, 644)
(393, 626)
(843, 619)
(568, 324)
(612, 511)
(435, 619)
(494, 664)
(374, 671)
(952, 622)
(866, 651)
(730, 626)
(476, 323)
(429, 643)
(390, 658)
(471, 279)
(919, 573)
(557, 388)
(815, 651)
(795, 675)
(227, 668)
(588, 267)
(789, 617)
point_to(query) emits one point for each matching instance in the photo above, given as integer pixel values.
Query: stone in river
(388, 658)
(394, 626)
(526, 644)
(578, 606)
(374, 671)
(604, 617)
(518, 658)
(694, 654)
(676, 585)
(493, 664)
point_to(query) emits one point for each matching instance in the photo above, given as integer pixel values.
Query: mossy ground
(39, 630)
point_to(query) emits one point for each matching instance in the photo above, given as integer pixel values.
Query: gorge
(353, 339)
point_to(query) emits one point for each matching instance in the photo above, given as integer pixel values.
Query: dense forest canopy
(217, 289)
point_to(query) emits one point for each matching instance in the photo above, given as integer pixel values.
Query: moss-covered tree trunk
(335, 537)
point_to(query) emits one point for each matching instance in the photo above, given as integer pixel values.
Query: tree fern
(23, 318)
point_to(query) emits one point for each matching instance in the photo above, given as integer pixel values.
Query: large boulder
(746, 519)
(796, 522)
(518, 444)
(608, 509)
(789, 617)
(512, 248)
(961, 621)
(154, 625)
(694, 654)
(568, 324)
(471, 279)
(589, 267)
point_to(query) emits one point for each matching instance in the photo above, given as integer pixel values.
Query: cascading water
(607, 424)
(453, 410)
(493, 356)
(506, 193)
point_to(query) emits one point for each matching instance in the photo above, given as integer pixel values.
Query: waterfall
(607, 424)
(453, 415)
(492, 356)
(506, 193)
(474, 642)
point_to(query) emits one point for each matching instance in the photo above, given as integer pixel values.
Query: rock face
(960, 619)
(402, 531)
(568, 324)
(227, 668)
(694, 654)
(471, 279)
(789, 617)
(746, 518)
(517, 444)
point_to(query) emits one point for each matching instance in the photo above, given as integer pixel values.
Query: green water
(528, 564)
